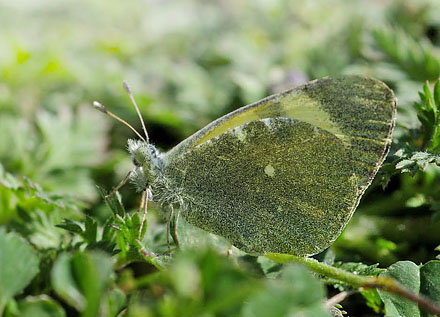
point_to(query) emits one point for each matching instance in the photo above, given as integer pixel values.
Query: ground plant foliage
(66, 251)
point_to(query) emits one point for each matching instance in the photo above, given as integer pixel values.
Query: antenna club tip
(99, 107)
(126, 87)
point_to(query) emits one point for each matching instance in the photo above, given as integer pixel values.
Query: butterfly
(281, 175)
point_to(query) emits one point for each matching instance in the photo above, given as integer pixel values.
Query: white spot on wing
(269, 170)
(240, 134)
(267, 122)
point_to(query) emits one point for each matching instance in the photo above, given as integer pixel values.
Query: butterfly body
(284, 174)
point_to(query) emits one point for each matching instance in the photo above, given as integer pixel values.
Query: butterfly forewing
(286, 173)
(359, 110)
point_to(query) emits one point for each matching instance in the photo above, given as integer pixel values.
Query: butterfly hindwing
(271, 185)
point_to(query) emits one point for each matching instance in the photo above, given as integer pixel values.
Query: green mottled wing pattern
(285, 174)
(272, 185)
(364, 111)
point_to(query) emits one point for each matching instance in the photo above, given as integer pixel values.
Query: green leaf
(8, 180)
(20, 193)
(360, 268)
(430, 281)
(407, 273)
(91, 230)
(129, 227)
(81, 280)
(40, 229)
(424, 280)
(405, 165)
(40, 306)
(18, 265)
(92, 271)
(113, 202)
(57, 150)
(413, 162)
(71, 226)
(418, 58)
(64, 284)
(103, 245)
(83, 132)
(296, 293)
(436, 93)
(114, 302)
(428, 115)
(373, 299)
(356, 268)
(196, 283)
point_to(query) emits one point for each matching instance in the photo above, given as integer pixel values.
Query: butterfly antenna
(130, 94)
(103, 109)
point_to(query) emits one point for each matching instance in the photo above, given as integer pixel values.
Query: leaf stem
(385, 283)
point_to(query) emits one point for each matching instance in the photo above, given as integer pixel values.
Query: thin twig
(385, 283)
(338, 298)
(392, 286)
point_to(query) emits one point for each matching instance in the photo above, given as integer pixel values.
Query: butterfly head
(145, 157)
(148, 162)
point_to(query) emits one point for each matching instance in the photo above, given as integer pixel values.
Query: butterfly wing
(286, 173)
(359, 110)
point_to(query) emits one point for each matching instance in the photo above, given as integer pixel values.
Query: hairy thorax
(149, 173)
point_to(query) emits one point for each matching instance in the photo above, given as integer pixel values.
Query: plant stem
(385, 283)
(321, 268)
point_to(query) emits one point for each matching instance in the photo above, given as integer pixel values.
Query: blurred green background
(189, 62)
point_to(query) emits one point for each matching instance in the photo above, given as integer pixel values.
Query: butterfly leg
(168, 228)
(146, 196)
(173, 224)
(172, 227)
(122, 183)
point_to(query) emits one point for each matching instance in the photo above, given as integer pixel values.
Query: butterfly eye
(136, 162)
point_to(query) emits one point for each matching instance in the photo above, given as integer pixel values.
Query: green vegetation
(64, 251)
